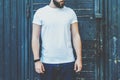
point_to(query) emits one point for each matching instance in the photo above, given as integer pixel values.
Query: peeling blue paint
(114, 45)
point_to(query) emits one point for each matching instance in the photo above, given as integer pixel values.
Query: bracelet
(36, 60)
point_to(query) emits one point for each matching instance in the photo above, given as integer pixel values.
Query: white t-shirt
(55, 33)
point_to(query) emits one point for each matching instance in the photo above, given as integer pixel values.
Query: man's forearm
(35, 48)
(78, 46)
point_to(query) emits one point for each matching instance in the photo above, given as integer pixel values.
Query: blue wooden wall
(111, 26)
(13, 39)
(16, 62)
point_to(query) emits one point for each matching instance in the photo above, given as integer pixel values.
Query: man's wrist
(79, 58)
(36, 60)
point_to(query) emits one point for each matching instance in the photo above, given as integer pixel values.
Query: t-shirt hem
(62, 62)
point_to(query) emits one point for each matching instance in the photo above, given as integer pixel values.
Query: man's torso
(56, 34)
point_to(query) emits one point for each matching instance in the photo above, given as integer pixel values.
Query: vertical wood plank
(19, 38)
(14, 41)
(118, 39)
(1, 40)
(6, 48)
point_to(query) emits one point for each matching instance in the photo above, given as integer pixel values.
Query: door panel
(89, 32)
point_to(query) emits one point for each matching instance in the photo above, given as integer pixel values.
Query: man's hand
(78, 65)
(39, 67)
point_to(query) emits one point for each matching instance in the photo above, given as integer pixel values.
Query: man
(55, 24)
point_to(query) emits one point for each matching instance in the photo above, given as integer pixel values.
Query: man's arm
(35, 40)
(35, 47)
(77, 45)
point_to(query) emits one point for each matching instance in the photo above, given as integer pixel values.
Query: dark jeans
(58, 71)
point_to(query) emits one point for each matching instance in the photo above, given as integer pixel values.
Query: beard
(58, 4)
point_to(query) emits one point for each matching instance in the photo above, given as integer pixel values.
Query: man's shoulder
(68, 8)
(42, 9)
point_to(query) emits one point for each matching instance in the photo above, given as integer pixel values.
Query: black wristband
(36, 60)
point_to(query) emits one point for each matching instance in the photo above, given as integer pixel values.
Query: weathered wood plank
(1, 41)
(14, 40)
(7, 44)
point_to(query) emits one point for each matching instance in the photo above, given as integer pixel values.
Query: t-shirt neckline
(54, 8)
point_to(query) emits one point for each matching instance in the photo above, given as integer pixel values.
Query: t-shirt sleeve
(37, 18)
(74, 17)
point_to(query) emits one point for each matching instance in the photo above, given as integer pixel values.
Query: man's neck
(52, 4)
